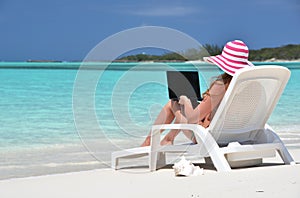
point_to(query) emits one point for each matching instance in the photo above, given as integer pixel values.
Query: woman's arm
(209, 102)
(199, 113)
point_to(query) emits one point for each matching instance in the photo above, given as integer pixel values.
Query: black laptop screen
(183, 83)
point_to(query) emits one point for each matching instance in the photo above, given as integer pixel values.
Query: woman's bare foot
(147, 141)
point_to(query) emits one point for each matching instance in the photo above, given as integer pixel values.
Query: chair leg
(219, 160)
(282, 150)
(153, 160)
(155, 144)
(286, 156)
(213, 150)
(114, 163)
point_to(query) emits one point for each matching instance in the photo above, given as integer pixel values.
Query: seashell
(186, 168)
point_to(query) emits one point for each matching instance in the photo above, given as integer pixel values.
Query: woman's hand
(183, 100)
(175, 106)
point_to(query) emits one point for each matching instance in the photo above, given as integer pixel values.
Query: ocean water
(56, 118)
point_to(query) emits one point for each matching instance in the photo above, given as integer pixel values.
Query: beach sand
(270, 180)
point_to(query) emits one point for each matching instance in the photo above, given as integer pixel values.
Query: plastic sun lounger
(238, 134)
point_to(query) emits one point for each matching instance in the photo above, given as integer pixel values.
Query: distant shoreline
(142, 65)
(129, 61)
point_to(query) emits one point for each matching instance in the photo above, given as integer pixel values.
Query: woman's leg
(170, 111)
(170, 137)
(166, 116)
(179, 119)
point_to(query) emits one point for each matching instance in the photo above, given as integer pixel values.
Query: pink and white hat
(234, 57)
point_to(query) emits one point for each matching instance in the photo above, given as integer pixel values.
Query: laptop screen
(184, 83)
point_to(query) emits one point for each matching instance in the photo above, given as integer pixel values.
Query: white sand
(268, 181)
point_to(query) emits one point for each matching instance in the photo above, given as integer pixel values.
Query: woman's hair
(225, 78)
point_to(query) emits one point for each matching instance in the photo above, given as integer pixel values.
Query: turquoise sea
(38, 133)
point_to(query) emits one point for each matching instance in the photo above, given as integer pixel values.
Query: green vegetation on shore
(147, 57)
(287, 52)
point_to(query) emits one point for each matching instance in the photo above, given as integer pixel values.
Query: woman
(234, 57)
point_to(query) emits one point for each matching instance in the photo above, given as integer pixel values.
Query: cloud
(163, 11)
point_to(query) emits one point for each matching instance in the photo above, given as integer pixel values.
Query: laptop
(184, 83)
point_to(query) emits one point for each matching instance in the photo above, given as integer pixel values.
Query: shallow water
(38, 134)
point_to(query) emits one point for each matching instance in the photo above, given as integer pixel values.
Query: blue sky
(69, 29)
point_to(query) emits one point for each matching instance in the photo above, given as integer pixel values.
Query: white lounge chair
(238, 134)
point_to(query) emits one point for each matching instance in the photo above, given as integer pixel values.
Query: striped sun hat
(234, 57)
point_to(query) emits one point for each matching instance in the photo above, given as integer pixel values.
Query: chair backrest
(248, 103)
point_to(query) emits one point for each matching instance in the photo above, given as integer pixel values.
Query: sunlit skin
(172, 111)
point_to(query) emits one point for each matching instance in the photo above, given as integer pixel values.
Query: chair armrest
(155, 131)
(191, 127)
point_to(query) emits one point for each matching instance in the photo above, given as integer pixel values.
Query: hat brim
(228, 67)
